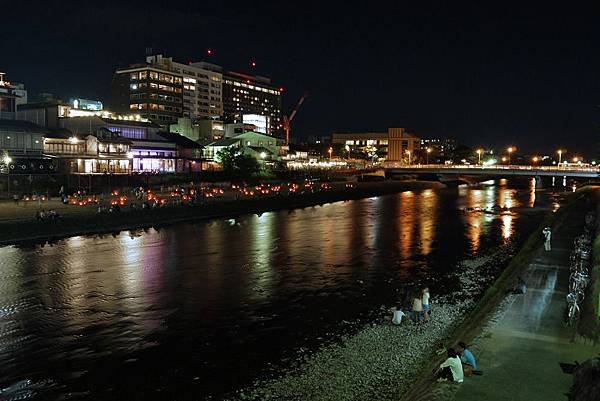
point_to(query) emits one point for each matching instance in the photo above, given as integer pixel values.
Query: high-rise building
(156, 93)
(202, 87)
(247, 94)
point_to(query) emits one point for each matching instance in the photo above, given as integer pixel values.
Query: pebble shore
(381, 361)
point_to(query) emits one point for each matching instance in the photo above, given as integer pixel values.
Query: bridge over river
(397, 168)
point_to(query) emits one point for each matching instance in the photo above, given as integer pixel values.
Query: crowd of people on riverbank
(420, 311)
(460, 360)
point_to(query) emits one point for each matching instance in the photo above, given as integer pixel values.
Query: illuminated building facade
(152, 92)
(202, 87)
(256, 144)
(362, 142)
(441, 147)
(23, 143)
(101, 152)
(248, 94)
(148, 151)
(402, 145)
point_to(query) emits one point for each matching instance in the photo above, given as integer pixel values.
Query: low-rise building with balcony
(102, 152)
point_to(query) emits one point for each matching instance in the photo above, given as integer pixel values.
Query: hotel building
(246, 97)
(153, 92)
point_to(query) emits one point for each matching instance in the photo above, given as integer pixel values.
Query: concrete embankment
(29, 230)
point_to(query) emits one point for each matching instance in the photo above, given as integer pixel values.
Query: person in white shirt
(451, 369)
(425, 302)
(417, 308)
(547, 238)
(398, 315)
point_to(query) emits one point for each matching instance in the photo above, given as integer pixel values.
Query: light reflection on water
(222, 298)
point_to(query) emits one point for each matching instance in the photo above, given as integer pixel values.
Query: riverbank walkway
(520, 354)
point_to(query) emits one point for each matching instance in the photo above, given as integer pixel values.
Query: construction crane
(287, 121)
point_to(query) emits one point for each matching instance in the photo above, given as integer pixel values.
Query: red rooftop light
(281, 89)
(253, 63)
(209, 52)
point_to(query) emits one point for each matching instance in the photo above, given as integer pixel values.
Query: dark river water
(194, 311)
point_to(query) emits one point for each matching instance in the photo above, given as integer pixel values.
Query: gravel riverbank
(380, 361)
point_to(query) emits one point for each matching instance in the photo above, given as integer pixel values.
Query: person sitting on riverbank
(417, 308)
(467, 358)
(451, 369)
(425, 302)
(398, 315)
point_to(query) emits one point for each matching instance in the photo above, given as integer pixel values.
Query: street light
(535, 159)
(503, 159)
(560, 152)
(428, 152)
(408, 152)
(7, 160)
(479, 152)
(510, 150)
(330, 152)
(575, 159)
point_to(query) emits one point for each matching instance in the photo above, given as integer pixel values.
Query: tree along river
(195, 311)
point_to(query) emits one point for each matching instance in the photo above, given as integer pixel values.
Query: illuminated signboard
(85, 104)
(260, 122)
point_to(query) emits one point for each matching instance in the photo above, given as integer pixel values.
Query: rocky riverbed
(380, 361)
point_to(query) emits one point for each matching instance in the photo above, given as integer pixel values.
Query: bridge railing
(400, 165)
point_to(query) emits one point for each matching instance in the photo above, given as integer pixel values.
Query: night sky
(487, 77)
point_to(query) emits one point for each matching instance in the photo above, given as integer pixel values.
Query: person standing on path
(425, 302)
(547, 237)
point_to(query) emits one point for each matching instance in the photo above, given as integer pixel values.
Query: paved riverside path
(520, 354)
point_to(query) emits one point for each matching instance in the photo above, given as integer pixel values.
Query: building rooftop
(118, 121)
(40, 105)
(260, 149)
(180, 140)
(60, 133)
(21, 126)
(226, 142)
